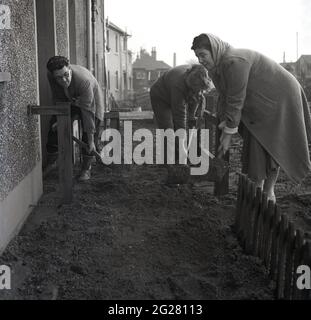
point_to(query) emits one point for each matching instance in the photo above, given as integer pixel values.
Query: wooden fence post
(268, 233)
(64, 130)
(298, 257)
(65, 156)
(248, 225)
(244, 195)
(276, 225)
(258, 203)
(289, 267)
(239, 203)
(282, 257)
(261, 226)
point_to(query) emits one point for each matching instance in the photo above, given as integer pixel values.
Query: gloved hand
(225, 141)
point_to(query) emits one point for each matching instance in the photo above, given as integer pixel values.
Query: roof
(111, 25)
(306, 57)
(149, 63)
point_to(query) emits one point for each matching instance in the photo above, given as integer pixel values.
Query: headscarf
(218, 48)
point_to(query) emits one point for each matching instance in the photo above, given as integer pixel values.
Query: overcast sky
(268, 26)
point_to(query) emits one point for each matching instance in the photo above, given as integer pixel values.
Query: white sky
(267, 26)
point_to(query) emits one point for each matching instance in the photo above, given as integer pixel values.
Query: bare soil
(127, 235)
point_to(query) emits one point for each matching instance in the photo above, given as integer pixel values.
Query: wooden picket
(267, 233)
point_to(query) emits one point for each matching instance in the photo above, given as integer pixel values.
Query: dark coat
(170, 90)
(271, 104)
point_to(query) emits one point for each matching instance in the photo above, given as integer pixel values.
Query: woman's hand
(225, 141)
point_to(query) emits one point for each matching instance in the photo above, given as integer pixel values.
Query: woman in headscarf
(262, 100)
(175, 97)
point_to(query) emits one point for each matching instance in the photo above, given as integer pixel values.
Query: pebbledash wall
(31, 31)
(20, 158)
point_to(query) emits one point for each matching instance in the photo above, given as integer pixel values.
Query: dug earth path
(127, 235)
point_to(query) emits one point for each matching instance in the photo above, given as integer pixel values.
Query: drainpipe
(89, 35)
(94, 9)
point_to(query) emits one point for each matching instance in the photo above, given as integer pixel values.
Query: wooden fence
(264, 231)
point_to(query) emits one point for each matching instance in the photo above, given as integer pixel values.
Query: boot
(85, 173)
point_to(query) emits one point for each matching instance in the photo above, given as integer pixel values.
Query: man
(76, 84)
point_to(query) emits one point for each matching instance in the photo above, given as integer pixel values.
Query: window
(117, 43)
(130, 83)
(140, 75)
(124, 44)
(117, 80)
(107, 41)
(124, 80)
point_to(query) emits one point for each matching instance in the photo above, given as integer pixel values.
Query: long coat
(270, 103)
(84, 88)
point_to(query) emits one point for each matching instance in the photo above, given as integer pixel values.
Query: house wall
(114, 64)
(20, 157)
(62, 27)
(38, 30)
(78, 37)
(119, 61)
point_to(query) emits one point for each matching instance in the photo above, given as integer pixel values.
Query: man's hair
(57, 63)
(201, 42)
(197, 77)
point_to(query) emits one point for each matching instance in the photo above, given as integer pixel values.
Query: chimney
(154, 53)
(142, 52)
(174, 59)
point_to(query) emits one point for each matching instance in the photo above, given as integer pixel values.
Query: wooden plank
(63, 109)
(276, 222)
(262, 221)
(136, 115)
(289, 267)
(65, 156)
(298, 257)
(242, 229)
(115, 123)
(249, 219)
(242, 204)
(111, 115)
(256, 215)
(282, 257)
(238, 203)
(268, 232)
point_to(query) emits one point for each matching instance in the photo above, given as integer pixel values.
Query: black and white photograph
(155, 151)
